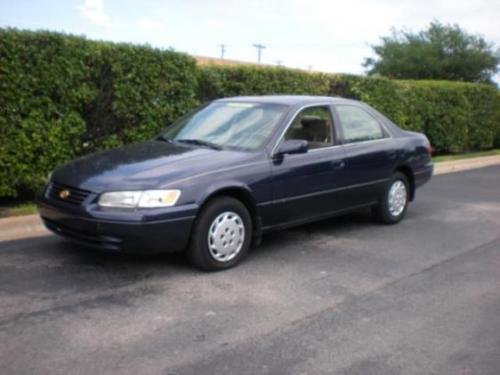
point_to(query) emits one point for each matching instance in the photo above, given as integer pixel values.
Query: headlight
(140, 199)
(159, 198)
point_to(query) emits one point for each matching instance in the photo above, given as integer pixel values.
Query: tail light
(429, 150)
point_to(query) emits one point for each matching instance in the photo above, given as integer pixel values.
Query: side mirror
(293, 146)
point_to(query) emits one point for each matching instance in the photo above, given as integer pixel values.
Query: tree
(440, 52)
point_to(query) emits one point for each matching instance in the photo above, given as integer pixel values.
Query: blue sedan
(218, 178)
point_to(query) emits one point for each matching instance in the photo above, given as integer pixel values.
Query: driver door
(304, 185)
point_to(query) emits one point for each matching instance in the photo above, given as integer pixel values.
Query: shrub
(496, 121)
(392, 98)
(445, 113)
(218, 81)
(61, 96)
(44, 89)
(456, 116)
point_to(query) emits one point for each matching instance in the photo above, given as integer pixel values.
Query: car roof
(290, 100)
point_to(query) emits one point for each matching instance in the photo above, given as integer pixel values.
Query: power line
(259, 47)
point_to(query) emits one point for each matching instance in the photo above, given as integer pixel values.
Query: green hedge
(496, 141)
(217, 81)
(63, 96)
(455, 116)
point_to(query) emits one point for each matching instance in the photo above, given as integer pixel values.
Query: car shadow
(34, 249)
(49, 264)
(331, 226)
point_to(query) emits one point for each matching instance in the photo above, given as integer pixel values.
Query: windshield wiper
(200, 142)
(162, 137)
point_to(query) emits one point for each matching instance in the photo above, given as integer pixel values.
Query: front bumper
(139, 231)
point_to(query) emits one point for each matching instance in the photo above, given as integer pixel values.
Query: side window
(358, 125)
(313, 124)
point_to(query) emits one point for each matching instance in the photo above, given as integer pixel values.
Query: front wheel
(221, 235)
(394, 202)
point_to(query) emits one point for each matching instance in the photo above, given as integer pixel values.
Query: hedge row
(455, 116)
(496, 142)
(62, 96)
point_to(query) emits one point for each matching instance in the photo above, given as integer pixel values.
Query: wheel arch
(244, 195)
(408, 172)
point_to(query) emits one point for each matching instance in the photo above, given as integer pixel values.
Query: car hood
(146, 165)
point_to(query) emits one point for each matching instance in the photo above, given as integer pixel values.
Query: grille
(76, 196)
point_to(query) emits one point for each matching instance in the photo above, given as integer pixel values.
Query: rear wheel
(394, 202)
(221, 236)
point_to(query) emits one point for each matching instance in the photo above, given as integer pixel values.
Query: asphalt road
(345, 296)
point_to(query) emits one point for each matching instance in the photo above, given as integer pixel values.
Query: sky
(323, 35)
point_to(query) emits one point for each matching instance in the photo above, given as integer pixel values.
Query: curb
(17, 227)
(465, 164)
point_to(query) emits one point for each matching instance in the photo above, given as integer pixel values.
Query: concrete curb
(17, 227)
(465, 164)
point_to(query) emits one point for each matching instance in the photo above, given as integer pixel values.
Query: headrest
(311, 121)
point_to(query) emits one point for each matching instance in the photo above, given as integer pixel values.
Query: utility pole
(222, 50)
(259, 47)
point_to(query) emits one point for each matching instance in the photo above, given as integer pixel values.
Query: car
(212, 183)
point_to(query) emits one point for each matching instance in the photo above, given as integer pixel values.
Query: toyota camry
(213, 182)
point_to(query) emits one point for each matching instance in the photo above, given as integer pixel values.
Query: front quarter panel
(252, 177)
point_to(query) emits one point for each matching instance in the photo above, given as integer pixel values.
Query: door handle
(338, 164)
(392, 154)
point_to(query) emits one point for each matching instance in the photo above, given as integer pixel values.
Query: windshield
(236, 125)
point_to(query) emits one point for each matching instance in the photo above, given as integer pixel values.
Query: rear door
(370, 153)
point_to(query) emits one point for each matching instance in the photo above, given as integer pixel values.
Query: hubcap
(226, 236)
(397, 198)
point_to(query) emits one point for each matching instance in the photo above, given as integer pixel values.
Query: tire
(392, 212)
(221, 236)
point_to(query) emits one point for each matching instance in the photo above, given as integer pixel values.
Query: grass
(468, 155)
(18, 210)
